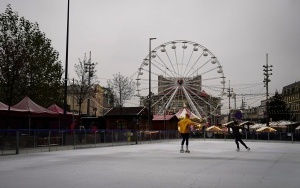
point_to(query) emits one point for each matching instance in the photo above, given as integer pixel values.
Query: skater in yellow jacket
(184, 130)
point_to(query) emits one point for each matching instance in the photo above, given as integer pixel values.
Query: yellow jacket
(183, 125)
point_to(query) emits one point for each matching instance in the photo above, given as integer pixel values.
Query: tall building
(252, 114)
(291, 95)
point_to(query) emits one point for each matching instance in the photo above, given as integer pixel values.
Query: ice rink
(211, 164)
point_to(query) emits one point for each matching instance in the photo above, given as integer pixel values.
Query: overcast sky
(239, 32)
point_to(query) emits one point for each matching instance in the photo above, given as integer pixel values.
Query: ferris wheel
(183, 74)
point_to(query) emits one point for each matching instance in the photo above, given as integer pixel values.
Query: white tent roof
(284, 122)
(181, 114)
(225, 124)
(257, 126)
(273, 123)
(281, 123)
(246, 123)
(266, 129)
(214, 129)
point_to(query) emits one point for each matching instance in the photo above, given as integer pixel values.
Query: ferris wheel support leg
(191, 103)
(171, 98)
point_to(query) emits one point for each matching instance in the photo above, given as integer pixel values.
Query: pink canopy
(4, 109)
(34, 109)
(162, 117)
(57, 109)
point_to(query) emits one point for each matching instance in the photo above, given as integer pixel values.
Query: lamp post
(89, 68)
(149, 102)
(66, 69)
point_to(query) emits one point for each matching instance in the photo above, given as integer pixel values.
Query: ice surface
(211, 164)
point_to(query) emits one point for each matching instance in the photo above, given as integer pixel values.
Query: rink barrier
(45, 140)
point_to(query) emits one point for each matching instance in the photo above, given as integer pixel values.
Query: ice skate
(181, 150)
(238, 149)
(187, 150)
(248, 148)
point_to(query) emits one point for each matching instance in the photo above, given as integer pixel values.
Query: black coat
(236, 130)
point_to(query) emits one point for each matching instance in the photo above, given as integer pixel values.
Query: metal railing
(25, 141)
(30, 141)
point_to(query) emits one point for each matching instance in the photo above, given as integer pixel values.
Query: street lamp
(149, 102)
(66, 69)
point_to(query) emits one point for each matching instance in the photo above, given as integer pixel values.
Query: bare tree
(82, 88)
(122, 88)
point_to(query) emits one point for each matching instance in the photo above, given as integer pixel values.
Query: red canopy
(57, 109)
(162, 117)
(31, 107)
(4, 109)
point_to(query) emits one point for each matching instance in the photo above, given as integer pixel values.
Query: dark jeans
(239, 139)
(185, 137)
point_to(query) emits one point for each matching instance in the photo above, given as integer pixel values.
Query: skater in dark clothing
(184, 130)
(237, 135)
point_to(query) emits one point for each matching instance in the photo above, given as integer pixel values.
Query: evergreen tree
(278, 108)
